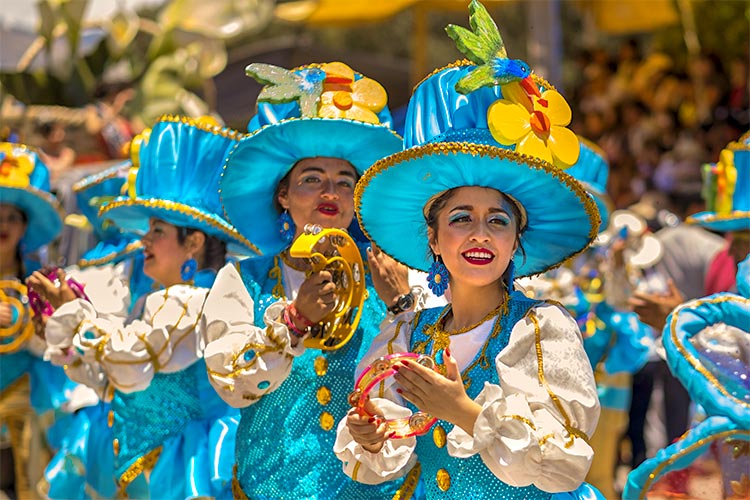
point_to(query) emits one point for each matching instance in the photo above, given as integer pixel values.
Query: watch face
(406, 301)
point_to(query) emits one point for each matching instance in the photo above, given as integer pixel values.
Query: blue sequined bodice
(285, 441)
(448, 477)
(145, 419)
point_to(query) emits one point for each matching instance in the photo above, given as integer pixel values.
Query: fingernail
(399, 391)
(406, 363)
(391, 435)
(371, 419)
(397, 367)
(448, 352)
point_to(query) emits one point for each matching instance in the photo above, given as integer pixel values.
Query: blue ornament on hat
(114, 244)
(592, 171)
(511, 137)
(24, 184)
(175, 178)
(318, 110)
(726, 190)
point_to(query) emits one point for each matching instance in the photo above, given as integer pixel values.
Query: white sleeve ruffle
(391, 462)
(533, 427)
(165, 340)
(244, 362)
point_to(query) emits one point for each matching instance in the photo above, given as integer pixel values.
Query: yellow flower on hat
(343, 97)
(534, 124)
(726, 178)
(15, 166)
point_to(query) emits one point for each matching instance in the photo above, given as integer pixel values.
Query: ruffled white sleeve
(534, 426)
(165, 340)
(397, 456)
(244, 361)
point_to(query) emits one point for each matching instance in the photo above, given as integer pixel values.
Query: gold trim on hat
(181, 208)
(482, 150)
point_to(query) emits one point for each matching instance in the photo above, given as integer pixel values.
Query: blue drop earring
(188, 269)
(438, 278)
(286, 226)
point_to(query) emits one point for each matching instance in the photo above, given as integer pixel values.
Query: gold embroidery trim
(481, 150)
(734, 215)
(381, 390)
(521, 419)
(143, 463)
(355, 472)
(543, 381)
(275, 274)
(409, 486)
(695, 363)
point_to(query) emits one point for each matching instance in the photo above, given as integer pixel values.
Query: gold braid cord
(13, 337)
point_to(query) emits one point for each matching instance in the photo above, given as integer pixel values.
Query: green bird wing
(481, 76)
(280, 84)
(483, 42)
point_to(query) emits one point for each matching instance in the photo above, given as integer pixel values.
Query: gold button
(326, 421)
(116, 446)
(443, 479)
(321, 366)
(324, 395)
(110, 418)
(438, 436)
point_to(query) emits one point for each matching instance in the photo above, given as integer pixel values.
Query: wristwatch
(403, 303)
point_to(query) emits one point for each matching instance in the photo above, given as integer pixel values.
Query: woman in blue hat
(29, 219)
(172, 436)
(480, 198)
(317, 129)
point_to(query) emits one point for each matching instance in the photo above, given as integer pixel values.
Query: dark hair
(214, 249)
(431, 218)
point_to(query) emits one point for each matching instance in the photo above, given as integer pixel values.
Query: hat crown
(319, 90)
(182, 162)
(21, 167)
(592, 166)
(93, 191)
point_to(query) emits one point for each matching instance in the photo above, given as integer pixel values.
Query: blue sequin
(249, 355)
(264, 385)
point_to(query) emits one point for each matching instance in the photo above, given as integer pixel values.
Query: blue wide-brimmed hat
(450, 145)
(113, 244)
(175, 178)
(318, 110)
(726, 190)
(24, 183)
(592, 171)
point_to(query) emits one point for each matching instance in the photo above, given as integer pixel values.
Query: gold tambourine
(13, 337)
(335, 251)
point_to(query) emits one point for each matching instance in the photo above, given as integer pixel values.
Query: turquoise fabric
(178, 181)
(469, 477)
(592, 170)
(41, 208)
(391, 196)
(282, 451)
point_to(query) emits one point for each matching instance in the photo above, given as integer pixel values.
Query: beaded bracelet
(291, 326)
(299, 316)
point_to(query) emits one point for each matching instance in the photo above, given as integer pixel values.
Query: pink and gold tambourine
(398, 428)
(43, 307)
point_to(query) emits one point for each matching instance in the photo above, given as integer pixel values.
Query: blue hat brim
(391, 196)
(685, 360)
(603, 203)
(133, 214)
(42, 211)
(724, 223)
(110, 252)
(256, 165)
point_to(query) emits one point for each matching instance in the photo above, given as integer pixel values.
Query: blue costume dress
(516, 447)
(285, 438)
(163, 417)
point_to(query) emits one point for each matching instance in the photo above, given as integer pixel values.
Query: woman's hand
(369, 432)
(390, 278)
(6, 315)
(55, 295)
(443, 397)
(316, 297)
